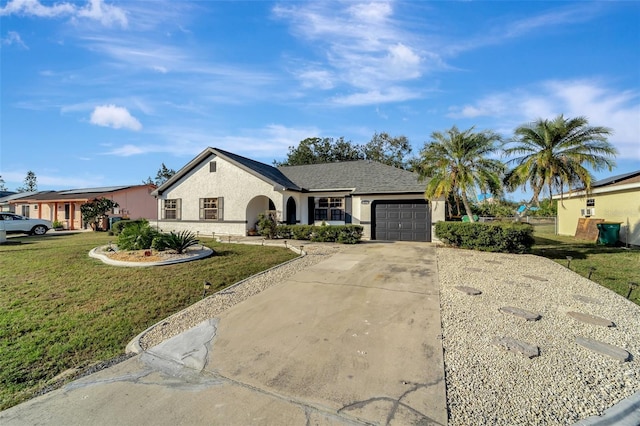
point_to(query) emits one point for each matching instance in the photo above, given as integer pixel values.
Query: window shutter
(347, 209)
(220, 209)
(179, 209)
(311, 213)
(201, 208)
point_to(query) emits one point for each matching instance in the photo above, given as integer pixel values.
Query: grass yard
(61, 309)
(615, 267)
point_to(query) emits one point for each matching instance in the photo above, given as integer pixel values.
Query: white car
(13, 223)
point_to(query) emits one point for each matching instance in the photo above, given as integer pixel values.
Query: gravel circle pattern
(566, 382)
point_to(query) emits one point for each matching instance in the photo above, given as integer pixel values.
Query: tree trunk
(467, 207)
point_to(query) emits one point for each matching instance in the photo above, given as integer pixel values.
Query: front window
(209, 209)
(171, 209)
(328, 208)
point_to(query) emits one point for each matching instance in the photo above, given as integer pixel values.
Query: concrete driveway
(352, 340)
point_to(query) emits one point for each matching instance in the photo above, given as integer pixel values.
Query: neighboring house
(223, 193)
(615, 199)
(7, 196)
(135, 202)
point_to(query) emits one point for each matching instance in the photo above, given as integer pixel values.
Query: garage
(402, 220)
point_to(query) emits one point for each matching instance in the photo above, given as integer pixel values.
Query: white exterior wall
(237, 187)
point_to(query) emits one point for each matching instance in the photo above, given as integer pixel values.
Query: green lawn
(61, 309)
(615, 267)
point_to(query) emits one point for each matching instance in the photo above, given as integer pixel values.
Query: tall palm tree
(456, 162)
(552, 154)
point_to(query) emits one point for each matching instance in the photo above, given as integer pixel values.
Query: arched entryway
(256, 206)
(291, 211)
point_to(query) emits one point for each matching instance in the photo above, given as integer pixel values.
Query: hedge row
(345, 234)
(504, 237)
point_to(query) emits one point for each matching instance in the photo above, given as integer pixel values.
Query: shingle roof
(20, 195)
(75, 194)
(614, 179)
(362, 177)
(267, 171)
(261, 170)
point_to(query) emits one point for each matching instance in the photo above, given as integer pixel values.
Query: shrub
(350, 234)
(496, 236)
(160, 242)
(137, 235)
(344, 234)
(266, 225)
(302, 232)
(325, 234)
(118, 226)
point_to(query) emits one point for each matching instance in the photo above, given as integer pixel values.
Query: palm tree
(552, 154)
(456, 162)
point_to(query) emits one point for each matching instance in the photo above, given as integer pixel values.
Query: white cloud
(262, 144)
(390, 94)
(603, 106)
(105, 13)
(95, 10)
(13, 38)
(321, 79)
(361, 45)
(35, 8)
(129, 150)
(114, 116)
(497, 32)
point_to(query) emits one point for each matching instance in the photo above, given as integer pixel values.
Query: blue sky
(102, 92)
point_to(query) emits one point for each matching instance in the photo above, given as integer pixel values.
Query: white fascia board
(602, 190)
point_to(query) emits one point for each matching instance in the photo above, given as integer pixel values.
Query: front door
(291, 211)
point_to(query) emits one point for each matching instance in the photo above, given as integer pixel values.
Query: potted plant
(57, 225)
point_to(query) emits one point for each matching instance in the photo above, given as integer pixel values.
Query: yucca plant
(180, 241)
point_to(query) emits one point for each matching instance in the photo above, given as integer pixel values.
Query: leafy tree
(389, 150)
(457, 162)
(497, 208)
(2, 186)
(552, 154)
(94, 211)
(163, 175)
(30, 183)
(321, 150)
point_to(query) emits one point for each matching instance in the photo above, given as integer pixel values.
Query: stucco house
(135, 202)
(7, 196)
(614, 199)
(223, 193)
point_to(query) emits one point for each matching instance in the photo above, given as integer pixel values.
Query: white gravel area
(213, 305)
(567, 382)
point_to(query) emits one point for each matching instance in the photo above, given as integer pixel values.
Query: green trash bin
(608, 233)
